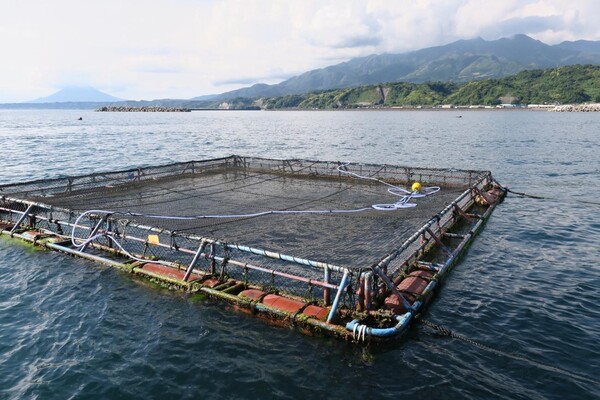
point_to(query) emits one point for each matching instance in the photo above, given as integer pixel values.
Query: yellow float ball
(416, 187)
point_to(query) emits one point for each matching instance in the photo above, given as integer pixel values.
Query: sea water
(528, 287)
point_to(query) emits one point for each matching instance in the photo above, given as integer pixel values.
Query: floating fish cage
(349, 250)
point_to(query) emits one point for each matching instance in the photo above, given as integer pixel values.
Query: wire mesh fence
(292, 226)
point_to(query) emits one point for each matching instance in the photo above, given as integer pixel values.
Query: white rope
(249, 215)
(404, 202)
(104, 234)
(405, 194)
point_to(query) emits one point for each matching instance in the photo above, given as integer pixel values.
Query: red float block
(413, 285)
(421, 274)
(168, 272)
(283, 303)
(316, 312)
(253, 294)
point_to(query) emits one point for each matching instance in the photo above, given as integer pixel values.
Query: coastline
(586, 107)
(591, 107)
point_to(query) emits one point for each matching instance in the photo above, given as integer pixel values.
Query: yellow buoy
(416, 187)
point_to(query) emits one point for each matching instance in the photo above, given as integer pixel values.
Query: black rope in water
(442, 330)
(525, 194)
(531, 196)
(589, 202)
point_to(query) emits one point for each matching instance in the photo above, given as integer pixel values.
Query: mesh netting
(184, 206)
(236, 186)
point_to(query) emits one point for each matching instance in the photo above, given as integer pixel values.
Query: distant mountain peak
(521, 36)
(77, 94)
(460, 61)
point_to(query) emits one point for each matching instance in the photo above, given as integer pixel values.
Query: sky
(153, 49)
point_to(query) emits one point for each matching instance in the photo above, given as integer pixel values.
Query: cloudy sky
(149, 49)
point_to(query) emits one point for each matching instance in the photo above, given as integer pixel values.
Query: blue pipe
(416, 305)
(429, 288)
(402, 324)
(25, 214)
(338, 295)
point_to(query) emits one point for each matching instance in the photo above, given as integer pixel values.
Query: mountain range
(78, 94)
(460, 61)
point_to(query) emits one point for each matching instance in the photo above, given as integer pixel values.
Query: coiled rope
(81, 243)
(406, 195)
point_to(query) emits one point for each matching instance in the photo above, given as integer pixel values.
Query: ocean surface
(528, 289)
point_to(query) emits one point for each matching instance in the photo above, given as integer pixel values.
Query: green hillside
(460, 61)
(571, 84)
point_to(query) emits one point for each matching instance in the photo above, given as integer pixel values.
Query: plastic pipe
(338, 295)
(403, 321)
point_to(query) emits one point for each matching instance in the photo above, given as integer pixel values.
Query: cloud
(159, 70)
(355, 31)
(273, 78)
(529, 25)
(186, 48)
(359, 41)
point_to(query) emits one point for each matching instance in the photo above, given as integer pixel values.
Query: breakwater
(595, 107)
(142, 109)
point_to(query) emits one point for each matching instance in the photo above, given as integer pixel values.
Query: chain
(447, 332)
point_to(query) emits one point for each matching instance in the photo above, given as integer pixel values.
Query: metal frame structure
(315, 295)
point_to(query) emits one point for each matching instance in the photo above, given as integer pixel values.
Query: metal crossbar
(257, 215)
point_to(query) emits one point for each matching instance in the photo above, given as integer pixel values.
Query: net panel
(245, 185)
(239, 186)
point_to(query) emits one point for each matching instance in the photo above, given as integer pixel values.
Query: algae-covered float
(350, 250)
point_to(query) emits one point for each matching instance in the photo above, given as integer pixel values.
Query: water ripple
(527, 286)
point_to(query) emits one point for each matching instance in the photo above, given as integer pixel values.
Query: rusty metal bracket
(196, 256)
(463, 214)
(439, 241)
(25, 214)
(94, 232)
(390, 285)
